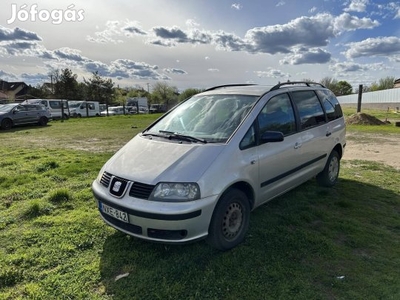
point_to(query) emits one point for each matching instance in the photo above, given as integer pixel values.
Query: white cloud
(304, 31)
(381, 46)
(116, 29)
(192, 23)
(312, 10)
(272, 73)
(348, 22)
(236, 6)
(280, 3)
(307, 56)
(397, 16)
(174, 71)
(357, 5)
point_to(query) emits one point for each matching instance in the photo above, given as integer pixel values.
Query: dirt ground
(381, 148)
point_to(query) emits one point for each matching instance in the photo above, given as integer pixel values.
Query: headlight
(175, 192)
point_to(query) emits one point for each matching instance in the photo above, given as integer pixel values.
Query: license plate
(115, 213)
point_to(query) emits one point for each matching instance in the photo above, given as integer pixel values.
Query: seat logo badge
(117, 186)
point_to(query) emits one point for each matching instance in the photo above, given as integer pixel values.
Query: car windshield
(7, 107)
(212, 118)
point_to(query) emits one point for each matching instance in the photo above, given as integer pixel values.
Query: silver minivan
(199, 170)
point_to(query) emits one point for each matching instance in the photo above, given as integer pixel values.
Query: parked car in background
(143, 110)
(113, 110)
(53, 105)
(157, 108)
(80, 109)
(102, 107)
(19, 114)
(199, 170)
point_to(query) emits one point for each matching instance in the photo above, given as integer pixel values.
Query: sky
(200, 43)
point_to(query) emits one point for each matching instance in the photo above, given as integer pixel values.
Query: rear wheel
(230, 220)
(6, 124)
(329, 176)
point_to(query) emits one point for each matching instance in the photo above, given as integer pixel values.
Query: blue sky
(200, 43)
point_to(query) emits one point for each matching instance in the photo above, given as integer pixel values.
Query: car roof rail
(306, 83)
(228, 85)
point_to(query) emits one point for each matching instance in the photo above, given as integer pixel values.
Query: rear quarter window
(331, 104)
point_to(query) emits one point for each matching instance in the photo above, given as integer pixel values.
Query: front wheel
(230, 220)
(43, 121)
(6, 124)
(329, 176)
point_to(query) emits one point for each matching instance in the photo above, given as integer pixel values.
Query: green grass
(377, 113)
(312, 243)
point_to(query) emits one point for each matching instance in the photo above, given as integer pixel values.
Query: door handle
(297, 145)
(328, 133)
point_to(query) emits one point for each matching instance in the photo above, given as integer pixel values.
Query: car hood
(151, 161)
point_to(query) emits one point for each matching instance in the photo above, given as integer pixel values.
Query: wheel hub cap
(232, 220)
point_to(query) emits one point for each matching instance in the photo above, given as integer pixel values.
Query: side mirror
(272, 137)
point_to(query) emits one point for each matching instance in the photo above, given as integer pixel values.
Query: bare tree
(164, 93)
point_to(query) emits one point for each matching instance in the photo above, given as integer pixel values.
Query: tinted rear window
(309, 107)
(331, 104)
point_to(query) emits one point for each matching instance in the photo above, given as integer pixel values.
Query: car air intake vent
(141, 190)
(105, 179)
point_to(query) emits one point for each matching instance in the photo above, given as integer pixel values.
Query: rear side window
(331, 104)
(310, 109)
(55, 104)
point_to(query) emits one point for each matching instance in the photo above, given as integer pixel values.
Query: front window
(277, 115)
(212, 118)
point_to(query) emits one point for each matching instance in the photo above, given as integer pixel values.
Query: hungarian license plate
(115, 213)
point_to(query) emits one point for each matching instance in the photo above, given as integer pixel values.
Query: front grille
(138, 189)
(105, 179)
(141, 190)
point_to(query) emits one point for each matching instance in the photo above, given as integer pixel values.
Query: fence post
(360, 88)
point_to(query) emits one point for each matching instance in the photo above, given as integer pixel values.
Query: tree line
(65, 85)
(341, 88)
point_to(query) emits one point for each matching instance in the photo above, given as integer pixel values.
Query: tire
(43, 121)
(6, 124)
(230, 220)
(329, 176)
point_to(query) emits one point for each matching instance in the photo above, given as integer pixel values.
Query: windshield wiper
(184, 137)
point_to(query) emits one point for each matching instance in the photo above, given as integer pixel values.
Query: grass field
(312, 243)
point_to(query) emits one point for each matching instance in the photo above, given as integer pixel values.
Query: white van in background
(53, 105)
(84, 108)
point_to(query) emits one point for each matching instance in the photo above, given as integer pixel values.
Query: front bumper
(167, 222)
